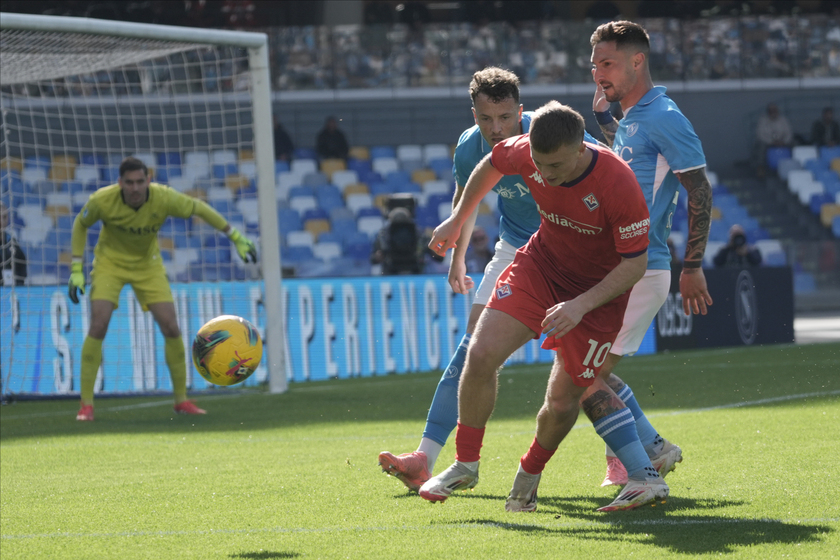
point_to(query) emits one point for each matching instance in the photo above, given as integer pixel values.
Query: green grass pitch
(296, 476)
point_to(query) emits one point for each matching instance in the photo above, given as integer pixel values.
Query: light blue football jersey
(656, 140)
(520, 218)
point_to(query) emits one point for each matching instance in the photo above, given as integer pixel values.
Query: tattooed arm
(693, 288)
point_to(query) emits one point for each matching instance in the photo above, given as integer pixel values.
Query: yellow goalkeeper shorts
(149, 283)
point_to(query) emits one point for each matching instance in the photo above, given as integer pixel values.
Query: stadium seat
(804, 153)
(326, 250)
(345, 177)
(370, 225)
(329, 197)
(86, 173)
(397, 178)
(62, 168)
(330, 166)
(712, 248)
(797, 179)
(375, 211)
(421, 176)
(288, 220)
(384, 165)
(358, 246)
(786, 166)
(11, 164)
(148, 158)
(359, 153)
(300, 238)
(304, 166)
(359, 165)
(303, 203)
(343, 227)
(829, 153)
(300, 190)
(817, 200)
(197, 159)
(442, 168)
(332, 237)
(248, 168)
(379, 189)
(30, 175)
(195, 171)
(437, 187)
(382, 152)
(775, 154)
(222, 170)
(803, 283)
(181, 184)
(835, 226)
(807, 191)
(239, 184)
(250, 209)
(169, 159)
(409, 152)
(435, 151)
(219, 193)
(315, 179)
(355, 188)
(357, 201)
(223, 157)
(280, 166)
(296, 254)
(305, 153)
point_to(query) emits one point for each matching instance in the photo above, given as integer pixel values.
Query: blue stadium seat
(372, 211)
(816, 166)
(368, 177)
(803, 283)
(169, 159)
(93, 159)
(817, 201)
(426, 217)
(344, 227)
(378, 189)
(110, 175)
(64, 223)
(296, 254)
(398, 178)
(315, 214)
(300, 191)
(44, 162)
(288, 220)
(359, 165)
(332, 237)
(329, 197)
(280, 166)
(410, 187)
(222, 170)
(305, 153)
(835, 226)
(222, 206)
(775, 154)
(828, 153)
(382, 151)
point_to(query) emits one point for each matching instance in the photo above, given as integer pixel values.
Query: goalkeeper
(127, 252)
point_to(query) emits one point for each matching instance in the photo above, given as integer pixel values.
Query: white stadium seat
(804, 153)
(326, 250)
(304, 166)
(435, 151)
(385, 165)
(299, 238)
(370, 225)
(221, 157)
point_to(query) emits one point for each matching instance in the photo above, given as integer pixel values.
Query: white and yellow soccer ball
(227, 350)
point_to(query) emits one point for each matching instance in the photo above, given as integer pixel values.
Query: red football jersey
(587, 224)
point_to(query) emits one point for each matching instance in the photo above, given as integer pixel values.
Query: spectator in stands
(480, 251)
(13, 259)
(825, 131)
(737, 252)
(397, 245)
(283, 146)
(331, 142)
(773, 130)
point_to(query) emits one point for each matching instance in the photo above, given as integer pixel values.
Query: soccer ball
(227, 350)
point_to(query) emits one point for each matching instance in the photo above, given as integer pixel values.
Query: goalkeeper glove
(244, 246)
(76, 282)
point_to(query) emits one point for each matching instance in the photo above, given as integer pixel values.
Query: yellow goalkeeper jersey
(129, 237)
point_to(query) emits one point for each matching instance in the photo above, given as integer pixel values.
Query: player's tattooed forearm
(699, 212)
(609, 131)
(601, 404)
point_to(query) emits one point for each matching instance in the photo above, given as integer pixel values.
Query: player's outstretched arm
(76, 283)
(244, 247)
(481, 182)
(458, 279)
(693, 287)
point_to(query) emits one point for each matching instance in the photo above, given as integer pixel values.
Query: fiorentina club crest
(503, 291)
(590, 201)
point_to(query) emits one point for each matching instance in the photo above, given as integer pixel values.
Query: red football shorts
(524, 293)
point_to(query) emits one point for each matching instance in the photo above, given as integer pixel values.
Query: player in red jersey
(571, 282)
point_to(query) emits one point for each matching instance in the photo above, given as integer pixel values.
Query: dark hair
(625, 34)
(555, 125)
(132, 164)
(496, 83)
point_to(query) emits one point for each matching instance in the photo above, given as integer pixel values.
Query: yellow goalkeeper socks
(175, 360)
(91, 360)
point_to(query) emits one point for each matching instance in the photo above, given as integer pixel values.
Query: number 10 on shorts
(599, 354)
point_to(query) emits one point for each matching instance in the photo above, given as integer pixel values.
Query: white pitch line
(400, 528)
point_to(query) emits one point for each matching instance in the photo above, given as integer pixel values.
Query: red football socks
(468, 443)
(534, 460)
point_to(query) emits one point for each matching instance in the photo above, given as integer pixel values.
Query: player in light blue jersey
(498, 116)
(662, 149)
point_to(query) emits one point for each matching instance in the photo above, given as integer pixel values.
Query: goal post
(77, 95)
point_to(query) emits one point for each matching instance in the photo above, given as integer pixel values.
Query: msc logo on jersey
(590, 201)
(632, 129)
(506, 192)
(503, 291)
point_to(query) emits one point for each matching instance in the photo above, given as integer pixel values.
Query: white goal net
(77, 96)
